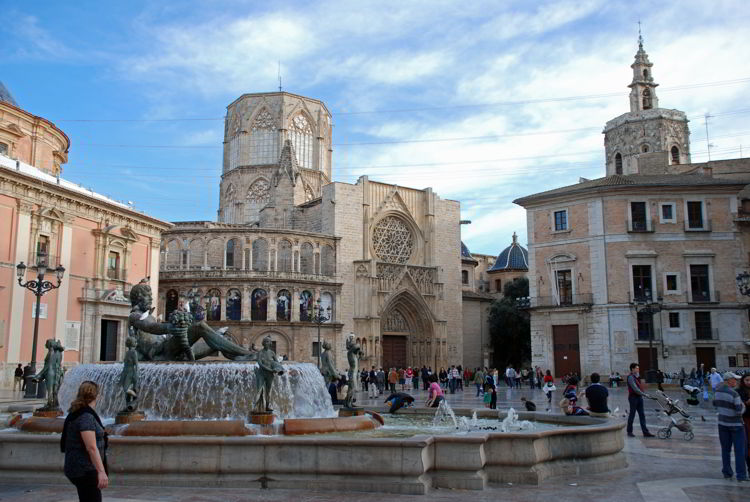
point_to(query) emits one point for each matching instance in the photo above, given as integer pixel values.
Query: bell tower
(647, 139)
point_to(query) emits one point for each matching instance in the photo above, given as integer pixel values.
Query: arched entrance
(406, 333)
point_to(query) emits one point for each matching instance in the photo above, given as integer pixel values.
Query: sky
(484, 102)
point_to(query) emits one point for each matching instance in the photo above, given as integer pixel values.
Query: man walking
(479, 381)
(635, 400)
(731, 428)
(26, 376)
(392, 380)
(18, 378)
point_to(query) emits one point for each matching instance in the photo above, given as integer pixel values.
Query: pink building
(104, 245)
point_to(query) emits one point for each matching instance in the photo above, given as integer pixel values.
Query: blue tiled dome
(514, 257)
(6, 96)
(465, 251)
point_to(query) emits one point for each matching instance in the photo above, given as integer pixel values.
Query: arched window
(173, 254)
(326, 302)
(306, 306)
(646, 99)
(259, 305)
(173, 299)
(464, 277)
(215, 253)
(327, 260)
(284, 252)
(675, 155)
(645, 73)
(618, 163)
(258, 196)
(213, 305)
(260, 255)
(232, 248)
(301, 135)
(234, 305)
(644, 148)
(195, 255)
(306, 258)
(264, 139)
(284, 306)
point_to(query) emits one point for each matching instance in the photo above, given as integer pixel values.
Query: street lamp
(644, 305)
(39, 287)
(321, 315)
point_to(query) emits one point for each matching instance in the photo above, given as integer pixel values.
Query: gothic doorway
(406, 333)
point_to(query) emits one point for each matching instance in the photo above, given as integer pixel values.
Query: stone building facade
(384, 259)
(640, 265)
(104, 246)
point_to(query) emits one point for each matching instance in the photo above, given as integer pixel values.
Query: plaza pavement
(658, 470)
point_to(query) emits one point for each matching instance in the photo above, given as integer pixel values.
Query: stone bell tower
(647, 139)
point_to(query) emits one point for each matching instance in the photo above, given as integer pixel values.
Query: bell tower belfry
(647, 139)
(643, 87)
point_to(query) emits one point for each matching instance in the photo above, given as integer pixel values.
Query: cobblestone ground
(658, 470)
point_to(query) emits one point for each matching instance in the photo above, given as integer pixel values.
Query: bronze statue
(327, 369)
(353, 352)
(157, 340)
(52, 373)
(129, 375)
(268, 368)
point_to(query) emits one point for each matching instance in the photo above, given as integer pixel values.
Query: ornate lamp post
(321, 315)
(39, 287)
(644, 305)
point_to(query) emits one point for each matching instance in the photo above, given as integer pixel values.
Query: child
(493, 398)
(488, 395)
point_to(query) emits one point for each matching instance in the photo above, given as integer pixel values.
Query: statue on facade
(353, 353)
(163, 341)
(327, 369)
(129, 375)
(268, 368)
(52, 373)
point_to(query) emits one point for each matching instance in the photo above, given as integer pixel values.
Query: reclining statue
(161, 341)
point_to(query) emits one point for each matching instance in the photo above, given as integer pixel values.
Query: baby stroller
(672, 411)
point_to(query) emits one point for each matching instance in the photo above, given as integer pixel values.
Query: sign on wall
(42, 311)
(72, 335)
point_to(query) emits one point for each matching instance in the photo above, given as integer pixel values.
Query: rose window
(392, 240)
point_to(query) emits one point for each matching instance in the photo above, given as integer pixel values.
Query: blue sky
(459, 96)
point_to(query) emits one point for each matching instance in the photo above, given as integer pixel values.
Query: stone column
(223, 309)
(295, 304)
(271, 303)
(246, 302)
(18, 298)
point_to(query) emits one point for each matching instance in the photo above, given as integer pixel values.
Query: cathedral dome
(514, 257)
(6, 96)
(465, 251)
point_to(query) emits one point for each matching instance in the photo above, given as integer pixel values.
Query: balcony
(640, 226)
(704, 297)
(705, 335)
(51, 261)
(697, 225)
(117, 274)
(219, 273)
(742, 216)
(644, 335)
(564, 301)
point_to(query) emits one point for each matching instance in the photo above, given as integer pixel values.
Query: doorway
(394, 351)
(108, 344)
(567, 349)
(644, 360)
(705, 356)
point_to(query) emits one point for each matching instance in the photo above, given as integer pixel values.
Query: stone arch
(284, 256)
(215, 251)
(260, 255)
(306, 258)
(301, 131)
(258, 195)
(173, 253)
(196, 250)
(234, 305)
(212, 304)
(407, 331)
(258, 304)
(264, 137)
(233, 257)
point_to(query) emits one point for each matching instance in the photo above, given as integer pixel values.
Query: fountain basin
(411, 465)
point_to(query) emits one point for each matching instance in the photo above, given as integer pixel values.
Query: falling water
(203, 390)
(444, 410)
(511, 422)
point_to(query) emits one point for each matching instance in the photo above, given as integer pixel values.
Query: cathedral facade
(308, 260)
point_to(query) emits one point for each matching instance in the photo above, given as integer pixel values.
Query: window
(645, 323)
(675, 155)
(644, 148)
(259, 305)
(674, 319)
(113, 265)
(326, 306)
(645, 73)
(647, 104)
(464, 277)
(301, 135)
(230, 253)
(42, 245)
(671, 282)
(213, 305)
(315, 349)
(699, 283)
(264, 139)
(306, 306)
(284, 253)
(642, 283)
(306, 258)
(234, 305)
(498, 285)
(732, 360)
(667, 212)
(695, 214)
(639, 218)
(565, 287)
(4, 149)
(618, 163)
(173, 300)
(284, 306)
(703, 326)
(561, 220)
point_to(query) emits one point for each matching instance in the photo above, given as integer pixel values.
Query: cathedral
(306, 260)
